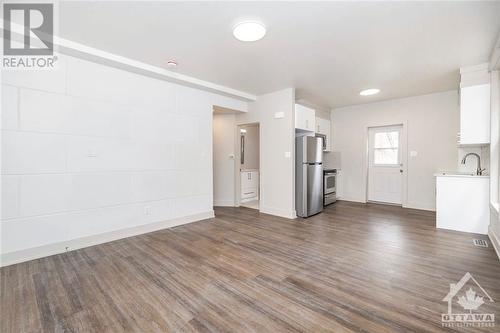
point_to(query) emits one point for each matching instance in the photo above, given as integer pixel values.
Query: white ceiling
(329, 51)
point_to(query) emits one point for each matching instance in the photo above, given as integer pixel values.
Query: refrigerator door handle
(304, 186)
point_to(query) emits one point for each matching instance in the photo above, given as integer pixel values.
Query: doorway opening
(249, 165)
(385, 164)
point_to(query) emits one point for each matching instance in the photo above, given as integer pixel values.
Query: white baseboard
(420, 206)
(78, 243)
(495, 241)
(278, 212)
(249, 199)
(224, 203)
(411, 205)
(351, 199)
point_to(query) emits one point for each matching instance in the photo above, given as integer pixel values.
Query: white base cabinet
(249, 186)
(462, 203)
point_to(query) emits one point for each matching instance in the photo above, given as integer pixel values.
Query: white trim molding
(278, 212)
(224, 203)
(78, 243)
(494, 241)
(494, 238)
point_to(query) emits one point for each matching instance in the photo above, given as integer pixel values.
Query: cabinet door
(304, 118)
(299, 117)
(323, 127)
(246, 178)
(310, 120)
(475, 114)
(327, 131)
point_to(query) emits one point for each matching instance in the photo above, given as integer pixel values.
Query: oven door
(330, 180)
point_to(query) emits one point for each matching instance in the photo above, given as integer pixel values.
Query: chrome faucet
(479, 171)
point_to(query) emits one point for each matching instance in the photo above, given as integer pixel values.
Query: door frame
(404, 158)
(237, 169)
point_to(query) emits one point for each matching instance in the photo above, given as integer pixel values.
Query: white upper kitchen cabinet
(475, 115)
(305, 118)
(474, 106)
(323, 126)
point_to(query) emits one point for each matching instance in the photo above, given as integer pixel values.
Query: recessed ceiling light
(249, 31)
(172, 63)
(368, 92)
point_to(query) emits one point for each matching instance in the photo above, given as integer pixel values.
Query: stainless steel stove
(329, 186)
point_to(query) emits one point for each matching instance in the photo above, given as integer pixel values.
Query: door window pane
(386, 140)
(386, 148)
(385, 156)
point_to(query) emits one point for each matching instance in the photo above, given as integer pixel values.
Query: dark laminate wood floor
(354, 268)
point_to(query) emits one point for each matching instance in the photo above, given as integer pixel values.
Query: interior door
(385, 168)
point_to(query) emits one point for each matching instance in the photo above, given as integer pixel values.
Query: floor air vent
(480, 242)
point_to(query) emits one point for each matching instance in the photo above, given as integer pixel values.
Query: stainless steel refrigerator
(308, 175)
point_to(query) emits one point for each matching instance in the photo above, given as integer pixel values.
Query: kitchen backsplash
(471, 163)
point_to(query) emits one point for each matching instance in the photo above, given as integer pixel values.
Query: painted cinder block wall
(92, 153)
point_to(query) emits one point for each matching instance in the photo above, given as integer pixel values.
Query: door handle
(400, 170)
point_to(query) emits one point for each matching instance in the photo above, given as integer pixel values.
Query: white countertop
(459, 174)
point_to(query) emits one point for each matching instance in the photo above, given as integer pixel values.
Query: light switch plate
(288, 154)
(413, 153)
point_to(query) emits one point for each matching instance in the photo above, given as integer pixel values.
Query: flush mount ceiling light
(249, 31)
(368, 92)
(172, 63)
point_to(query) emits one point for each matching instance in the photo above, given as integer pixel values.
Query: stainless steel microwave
(323, 139)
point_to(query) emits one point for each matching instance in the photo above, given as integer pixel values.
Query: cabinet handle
(249, 176)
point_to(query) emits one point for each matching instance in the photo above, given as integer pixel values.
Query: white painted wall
(92, 153)
(277, 178)
(224, 136)
(431, 125)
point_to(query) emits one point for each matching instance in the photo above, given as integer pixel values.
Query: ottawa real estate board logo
(28, 36)
(469, 295)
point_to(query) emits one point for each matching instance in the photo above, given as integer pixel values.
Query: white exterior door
(385, 168)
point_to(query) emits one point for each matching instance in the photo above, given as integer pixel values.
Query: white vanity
(462, 202)
(249, 185)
